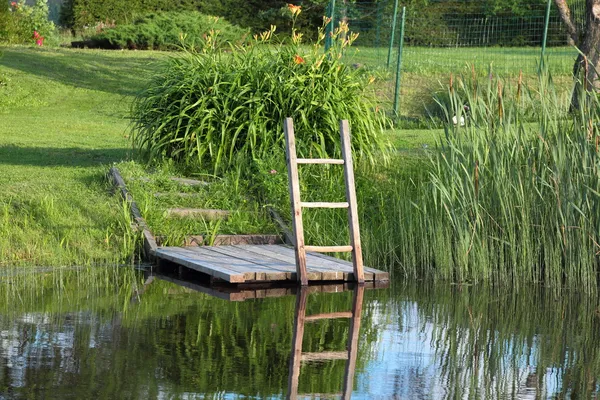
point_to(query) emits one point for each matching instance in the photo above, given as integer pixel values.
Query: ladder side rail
(357, 303)
(296, 204)
(357, 260)
(296, 358)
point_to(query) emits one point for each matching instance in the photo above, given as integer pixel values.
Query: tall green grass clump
(509, 201)
(163, 31)
(212, 109)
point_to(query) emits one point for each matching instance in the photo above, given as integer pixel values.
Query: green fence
(449, 37)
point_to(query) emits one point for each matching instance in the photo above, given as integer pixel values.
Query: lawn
(64, 119)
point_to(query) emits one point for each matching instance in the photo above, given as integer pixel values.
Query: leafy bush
(22, 23)
(211, 108)
(163, 31)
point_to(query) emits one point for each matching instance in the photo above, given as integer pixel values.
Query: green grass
(425, 70)
(155, 193)
(64, 119)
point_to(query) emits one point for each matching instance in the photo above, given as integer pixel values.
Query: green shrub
(20, 21)
(212, 108)
(163, 31)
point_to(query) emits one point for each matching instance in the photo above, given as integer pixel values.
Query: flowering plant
(23, 19)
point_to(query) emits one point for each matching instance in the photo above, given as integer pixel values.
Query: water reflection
(157, 336)
(350, 355)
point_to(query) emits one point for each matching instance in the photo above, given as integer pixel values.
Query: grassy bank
(64, 119)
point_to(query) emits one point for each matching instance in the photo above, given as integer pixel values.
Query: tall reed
(502, 200)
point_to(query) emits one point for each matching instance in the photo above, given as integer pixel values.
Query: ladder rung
(320, 161)
(328, 249)
(326, 355)
(317, 317)
(324, 205)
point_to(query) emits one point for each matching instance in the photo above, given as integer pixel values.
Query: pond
(130, 334)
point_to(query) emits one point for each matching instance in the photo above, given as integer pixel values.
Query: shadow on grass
(113, 72)
(60, 157)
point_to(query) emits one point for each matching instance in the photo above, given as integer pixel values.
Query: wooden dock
(266, 263)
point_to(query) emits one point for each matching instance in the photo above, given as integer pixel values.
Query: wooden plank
(319, 161)
(177, 194)
(312, 274)
(332, 270)
(333, 315)
(325, 356)
(229, 240)
(357, 259)
(378, 274)
(208, 214)
(294, 187)
(189, 182)
(250, 270)
(191, 260)
(270, 270)
(324, 205)
(325, 272)
(187, 258)
(328, 249)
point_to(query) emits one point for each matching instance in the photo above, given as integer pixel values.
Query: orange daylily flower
(295, 10)
(298, 59)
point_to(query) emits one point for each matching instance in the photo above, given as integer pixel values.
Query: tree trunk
(587, 64)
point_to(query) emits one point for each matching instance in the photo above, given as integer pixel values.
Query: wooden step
(328, 249)
(189, 182)
(177, 194)
(325, 356)
(319, 161)
(317, 317)
(198, 212)
(324, 205)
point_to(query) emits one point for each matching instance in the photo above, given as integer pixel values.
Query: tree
(587, 38)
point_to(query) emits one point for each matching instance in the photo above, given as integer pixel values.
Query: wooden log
(150, 244)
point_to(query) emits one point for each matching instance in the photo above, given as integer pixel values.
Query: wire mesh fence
(449, 37)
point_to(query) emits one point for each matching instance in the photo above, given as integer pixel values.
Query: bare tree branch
(567, 18)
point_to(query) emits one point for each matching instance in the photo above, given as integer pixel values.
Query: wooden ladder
(297, 204)
(350, 355)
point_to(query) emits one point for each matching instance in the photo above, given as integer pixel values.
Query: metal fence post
(389, 58)
(399, 64)
(330, 26)
(546, 23)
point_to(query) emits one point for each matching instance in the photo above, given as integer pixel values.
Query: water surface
(121, 334)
